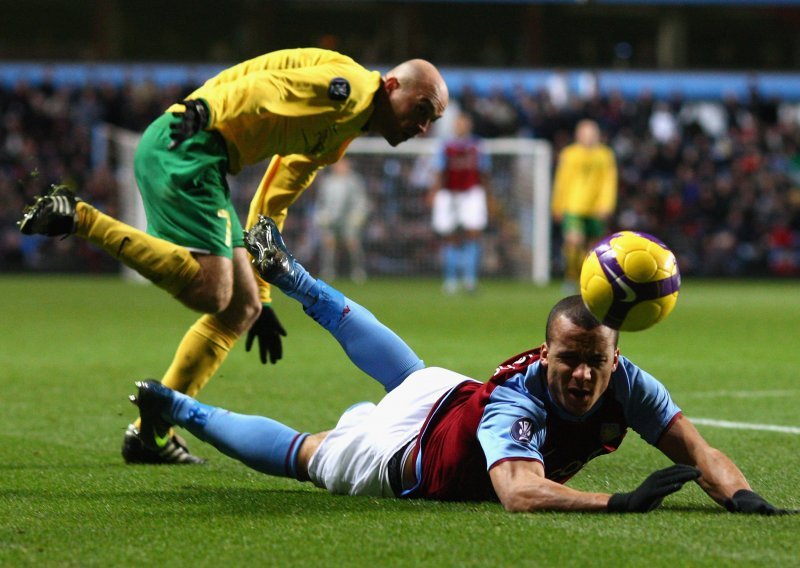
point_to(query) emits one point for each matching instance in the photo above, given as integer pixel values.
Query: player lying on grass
(440, 435)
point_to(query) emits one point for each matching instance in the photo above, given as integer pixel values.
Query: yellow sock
(167, 265)
(202, 350)
(573, 257)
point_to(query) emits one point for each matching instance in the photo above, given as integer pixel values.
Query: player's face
(579, 364)
(414, 109)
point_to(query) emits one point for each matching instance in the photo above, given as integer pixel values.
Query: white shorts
(354, 456)
(464, 209)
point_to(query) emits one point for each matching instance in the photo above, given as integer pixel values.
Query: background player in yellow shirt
(584, 196)
(299, 107)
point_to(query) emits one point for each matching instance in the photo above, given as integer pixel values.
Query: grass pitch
(70, 349)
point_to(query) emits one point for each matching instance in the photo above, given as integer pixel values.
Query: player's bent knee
(241, 313)
(250, 311)
(209, 300)
(211, 290)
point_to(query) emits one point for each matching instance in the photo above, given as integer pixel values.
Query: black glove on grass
(750, 502)
(651, 492)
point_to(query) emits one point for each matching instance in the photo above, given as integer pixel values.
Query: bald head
(423, 75)
(414, 95)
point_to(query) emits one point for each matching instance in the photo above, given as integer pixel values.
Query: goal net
(398, 239)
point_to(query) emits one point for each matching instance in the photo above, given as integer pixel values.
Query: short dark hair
(573, 308)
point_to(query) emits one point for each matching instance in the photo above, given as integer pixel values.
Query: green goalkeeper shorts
(590, 227)
(185, 192)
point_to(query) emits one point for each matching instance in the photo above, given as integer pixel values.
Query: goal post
(520, 226)
(398, 239)
(115, 147)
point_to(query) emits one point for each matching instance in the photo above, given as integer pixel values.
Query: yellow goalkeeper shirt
(585, 182)
(285, 103)
(302, 107)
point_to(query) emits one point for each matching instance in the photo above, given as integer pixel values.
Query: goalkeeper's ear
(390, 84)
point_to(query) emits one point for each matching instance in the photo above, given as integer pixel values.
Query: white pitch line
(746, 426)
(740, 394)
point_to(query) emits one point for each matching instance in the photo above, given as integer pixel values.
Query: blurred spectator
(717, 179)
(558, 89)
(340, 211)
(663, 124)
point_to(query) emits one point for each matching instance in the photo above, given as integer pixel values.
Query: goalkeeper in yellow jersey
(584, 196)
(298, 107)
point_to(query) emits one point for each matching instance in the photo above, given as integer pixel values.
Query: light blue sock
(301, 286)
(471, 261)
(257, 441)
(374, 348)
(450, 261)
(371, 346)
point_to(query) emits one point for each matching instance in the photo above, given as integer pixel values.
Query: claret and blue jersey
(476, 426)
(462, 162)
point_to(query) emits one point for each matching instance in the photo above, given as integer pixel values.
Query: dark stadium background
(727, 201)
(712, 34)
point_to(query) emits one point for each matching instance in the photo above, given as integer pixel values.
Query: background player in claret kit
(459, 205)
(441, 435)
(584, 196)
(300, 107)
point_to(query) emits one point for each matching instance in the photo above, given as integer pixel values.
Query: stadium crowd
(719, 181)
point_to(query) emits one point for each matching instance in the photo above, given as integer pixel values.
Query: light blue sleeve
(648, 406)
(513, 425)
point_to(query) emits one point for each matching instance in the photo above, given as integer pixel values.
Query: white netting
(398, 237)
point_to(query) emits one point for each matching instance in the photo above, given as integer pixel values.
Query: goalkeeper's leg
(574, 251)
(60, 212)
(206, 344)
(209, 283)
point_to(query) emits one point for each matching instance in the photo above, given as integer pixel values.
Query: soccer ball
(630, 281)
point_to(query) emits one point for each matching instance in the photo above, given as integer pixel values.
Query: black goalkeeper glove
(648, 495)
(750, 502)
(269, 331)
(187, 123)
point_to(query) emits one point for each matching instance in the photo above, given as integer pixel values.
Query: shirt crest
(522, 430)
(339, 89)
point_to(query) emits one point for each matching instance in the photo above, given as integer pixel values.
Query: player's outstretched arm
(721, 478)
(521, 486)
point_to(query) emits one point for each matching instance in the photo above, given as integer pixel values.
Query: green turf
(70, 349)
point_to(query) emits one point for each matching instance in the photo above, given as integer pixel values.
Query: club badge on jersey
(522, 430)
(339, 89)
